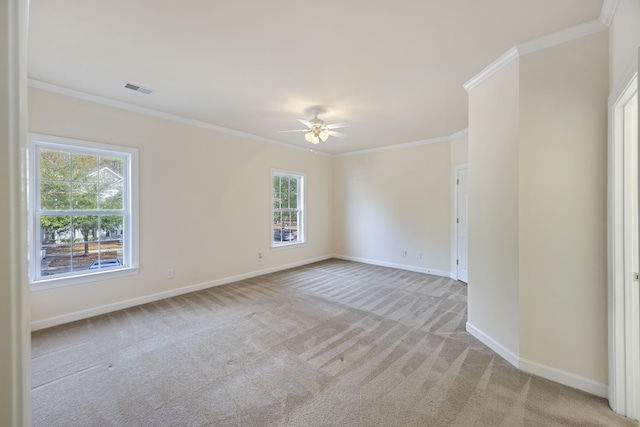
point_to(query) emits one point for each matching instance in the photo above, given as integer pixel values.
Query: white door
(624, 255)
(633, 254)
(462, 225)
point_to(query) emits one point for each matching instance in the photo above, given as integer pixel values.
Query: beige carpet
(334, 343)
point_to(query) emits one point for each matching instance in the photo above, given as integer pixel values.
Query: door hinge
(457, 220)
(457, 262)
(457, 181)
(636, 277)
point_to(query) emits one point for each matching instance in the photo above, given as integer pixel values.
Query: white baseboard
(566, 378)
(543, 371)
(393, 265)
(108, 308)
(485, 339)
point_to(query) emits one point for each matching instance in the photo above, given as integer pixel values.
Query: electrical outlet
(404, 254)
(418, 255)
(259, 256)
(170, 273)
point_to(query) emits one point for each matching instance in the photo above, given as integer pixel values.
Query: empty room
(320, 214)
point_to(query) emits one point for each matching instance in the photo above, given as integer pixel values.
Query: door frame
(623, 305)
(454, 243)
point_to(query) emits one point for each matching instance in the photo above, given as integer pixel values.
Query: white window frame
(130, 262)
(300, 210)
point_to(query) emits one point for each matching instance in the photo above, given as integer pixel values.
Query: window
(82, 217)
(287, 214)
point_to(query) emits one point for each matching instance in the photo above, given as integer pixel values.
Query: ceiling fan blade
(338, 125)
(306, 122)
(336, 134)
(295, 130)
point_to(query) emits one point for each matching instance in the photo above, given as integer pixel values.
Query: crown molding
(561, 36)
(541, 43)
(608, 11)
(459, 134)
(37, 84)
(492, 68)
(398, 146)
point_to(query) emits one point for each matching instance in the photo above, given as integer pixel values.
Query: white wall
(493, 292)
(624, 40)
(204, 201)
(459, 148)
(537, 205)
(392, 201)
(563, 200)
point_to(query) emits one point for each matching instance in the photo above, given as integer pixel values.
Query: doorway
(624, 252)
(461, 223)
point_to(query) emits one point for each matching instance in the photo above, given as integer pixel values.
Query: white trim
(108, 308)
(494, 345)
(459, 134)
(503, 60)
(624, 378)
(167, 116)
(608, 11)
(59, 282)
(423, 270)
(37, 84)
(302, 222)
(561, 36)
(547, 372)
(621, 86)
(396, 146)
(563, 377)
(535, 45)
(131, 219)
(16, 367)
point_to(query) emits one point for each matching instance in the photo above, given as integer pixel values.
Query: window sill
(45, 284)
(283, 246)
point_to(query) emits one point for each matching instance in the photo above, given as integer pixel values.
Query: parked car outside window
(284, 235)
(105, 263)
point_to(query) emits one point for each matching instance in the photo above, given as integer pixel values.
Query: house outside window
(287, 212)
(83, 219)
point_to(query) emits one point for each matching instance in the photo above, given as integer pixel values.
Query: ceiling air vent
(138, 88)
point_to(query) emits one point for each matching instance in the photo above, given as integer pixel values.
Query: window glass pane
(112, 195)
(293, 225)
(111, 168)
(54, 165)
(55, 244)
(85, 232)
(111, 228)
(82, 261)
(111, 183)
(293, 199)
(54, 195)
(53, 228)
(85, 195)
(84, 167)
(276, 184)
(277, 200)
(284, 191)
(57, 259)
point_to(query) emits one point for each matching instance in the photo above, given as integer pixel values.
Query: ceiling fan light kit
(317, 130)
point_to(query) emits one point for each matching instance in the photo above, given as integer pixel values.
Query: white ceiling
(393, 69)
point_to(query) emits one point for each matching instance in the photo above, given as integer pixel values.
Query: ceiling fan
(317, 130)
